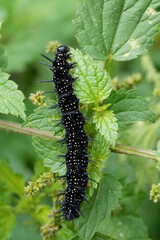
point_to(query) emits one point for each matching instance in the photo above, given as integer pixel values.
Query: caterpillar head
(63, 49)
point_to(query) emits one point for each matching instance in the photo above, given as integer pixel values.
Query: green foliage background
(27, 28)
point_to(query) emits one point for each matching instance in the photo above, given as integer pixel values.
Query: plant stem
(119, 148)
(123, 149)
(107, 63)
(15, 127)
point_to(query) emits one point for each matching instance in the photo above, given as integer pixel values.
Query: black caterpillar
(76, 139)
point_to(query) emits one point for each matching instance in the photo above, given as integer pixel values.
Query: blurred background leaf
(29, 25)
(7, 221)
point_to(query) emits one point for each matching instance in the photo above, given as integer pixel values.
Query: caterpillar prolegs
(76, 139)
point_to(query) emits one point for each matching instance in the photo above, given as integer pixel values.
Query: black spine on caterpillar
(76, 158)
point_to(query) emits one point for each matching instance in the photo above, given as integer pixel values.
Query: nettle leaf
(131, 203)
(41, 213)
(43, 118)
(11, 99)
(75, 237)
(125, 227)
(102, 202)
(99, 152)
(96, 175)
(48, 151)
(7, 221)
(100, 149)
(128, 107)
(3, 59)
(66, 232)
(107, 125)
(119, 29)
(156, 4)
(14, 182)
(100, 236)
(93, 84)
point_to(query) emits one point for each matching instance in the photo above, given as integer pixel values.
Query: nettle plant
(107, 31)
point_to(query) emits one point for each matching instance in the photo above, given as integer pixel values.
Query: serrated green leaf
(48, 151)
(125, 228)
(3, 59)
(14, 182)
(99, 152)
(3, 77)
(11, 99)
(107, 125)
(66, 233)
(155, 4)
(131, 203)
(100, 236)
(118, 29)
(102, 202)
(7, 221)
(4, 193)
(100, 149)
(93, 84)
(3, 62)
(128, 107)
(75, 237)
(123, 223)
(41, 213)
(96, 175)
(42, 118)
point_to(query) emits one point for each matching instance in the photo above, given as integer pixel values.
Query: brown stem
(15, 127)
(123, 149)
(119, 148)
